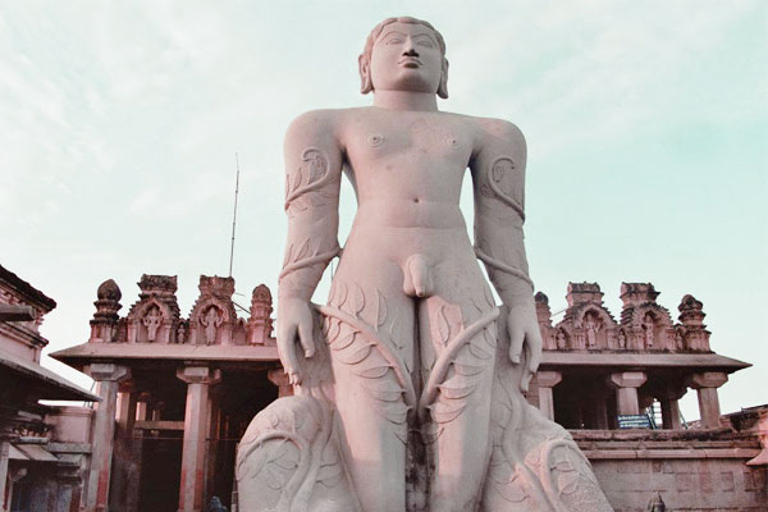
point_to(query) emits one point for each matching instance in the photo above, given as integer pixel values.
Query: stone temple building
(44, 450)
(177, 393)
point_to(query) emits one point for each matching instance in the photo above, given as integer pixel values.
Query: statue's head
(404, 54)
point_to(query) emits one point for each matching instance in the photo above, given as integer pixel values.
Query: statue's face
(406, 57)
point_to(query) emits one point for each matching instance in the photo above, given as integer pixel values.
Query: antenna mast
(234, 215)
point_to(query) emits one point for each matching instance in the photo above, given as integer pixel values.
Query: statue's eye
(394, 40)
(426, 43)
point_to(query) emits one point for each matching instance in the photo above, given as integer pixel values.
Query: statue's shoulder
(490, 128)
(321, 122)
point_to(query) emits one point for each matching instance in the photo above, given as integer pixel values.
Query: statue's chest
(416, 139)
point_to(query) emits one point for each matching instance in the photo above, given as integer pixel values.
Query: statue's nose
(411, 52)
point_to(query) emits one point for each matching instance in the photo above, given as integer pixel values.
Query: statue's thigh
(458, 343)
(370, 333)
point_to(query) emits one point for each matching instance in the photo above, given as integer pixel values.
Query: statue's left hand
(524, 333)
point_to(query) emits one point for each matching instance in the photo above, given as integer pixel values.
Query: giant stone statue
(407, 383)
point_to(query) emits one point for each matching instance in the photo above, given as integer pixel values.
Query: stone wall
(690, 470)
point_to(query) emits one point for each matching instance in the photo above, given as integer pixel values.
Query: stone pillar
(706, 385)
(601, 413)
(108, 377)
(280, 379)
(196, 418)
(626, 384)
(670, 409)
(5, 448)
(137, 447)
(126, 418)
(13, 475)
(547, 380)
(670, 414)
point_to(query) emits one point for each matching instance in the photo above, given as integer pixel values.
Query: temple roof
(26, 289)
(41, 381)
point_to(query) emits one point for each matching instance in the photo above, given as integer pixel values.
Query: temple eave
(82, 355)
(710, 361)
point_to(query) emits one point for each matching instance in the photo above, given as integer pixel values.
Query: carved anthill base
(290, 458)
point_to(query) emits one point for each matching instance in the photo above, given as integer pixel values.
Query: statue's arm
(498, 173)
(313, 163)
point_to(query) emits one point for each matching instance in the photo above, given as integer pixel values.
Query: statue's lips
(410, 62)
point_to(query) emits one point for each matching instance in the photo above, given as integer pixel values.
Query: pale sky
(647, 129)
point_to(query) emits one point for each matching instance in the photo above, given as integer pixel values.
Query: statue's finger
(534, 351)
(286, 350)
(305, 337)
(525, 382)
(516, 338)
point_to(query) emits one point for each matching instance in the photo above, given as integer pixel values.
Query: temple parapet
(644, 325)
(155, 317)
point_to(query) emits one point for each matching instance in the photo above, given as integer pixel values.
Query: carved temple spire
(260, 322)
(105, 319)
(693, 334)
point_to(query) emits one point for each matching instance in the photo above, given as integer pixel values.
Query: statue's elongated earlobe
(442, 89)
(366, 85)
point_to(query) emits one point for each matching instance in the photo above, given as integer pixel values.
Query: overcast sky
(647, 128)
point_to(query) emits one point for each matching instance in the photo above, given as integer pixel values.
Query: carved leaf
(334, 329)
(395, 412)
(442, 325)
(359, 301)
(489, 338)
(386, 395)
(297, 180)
(355, 355)
(455, 393)
(466, 370)
(286, 463)
(343, 291)
(374, 372)
(443, 413)
(303, 250)
(273, 479)
(344, 341)
(331, 481)
(477, 350)
(513, 490)
(568, 482)
(330, 474)
(563, 465)
(381, 309)
(288, 255)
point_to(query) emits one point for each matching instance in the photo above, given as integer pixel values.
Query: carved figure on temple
(152, 321)
(181, 333)
(562, 343)
(211, 321)
(648, 326)
(591, 326)
(408, 381)
(622, 337)
(679, 340)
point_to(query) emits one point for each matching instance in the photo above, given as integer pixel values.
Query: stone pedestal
(547, 380)
(196, 418)
(108, 377)
(626, 384)
(706, 385)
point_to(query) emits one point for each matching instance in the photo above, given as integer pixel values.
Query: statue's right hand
(294, 319)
